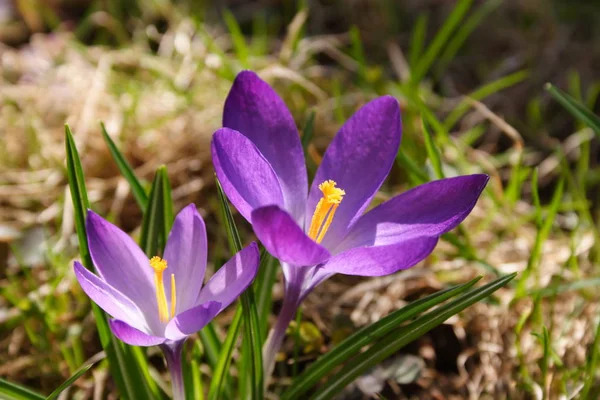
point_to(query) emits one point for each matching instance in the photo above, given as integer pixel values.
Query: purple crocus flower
(161, 301)
(316, 233)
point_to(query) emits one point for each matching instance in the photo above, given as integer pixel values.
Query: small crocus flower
(161, 300)
(316, 233)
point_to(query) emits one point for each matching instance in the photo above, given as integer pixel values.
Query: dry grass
(162, 109)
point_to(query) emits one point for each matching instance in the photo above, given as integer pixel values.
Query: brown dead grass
(163, 108)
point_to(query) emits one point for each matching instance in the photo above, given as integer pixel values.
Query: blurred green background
(156, 72)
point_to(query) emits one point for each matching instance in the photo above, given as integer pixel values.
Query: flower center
(159, 265)
(325, 210)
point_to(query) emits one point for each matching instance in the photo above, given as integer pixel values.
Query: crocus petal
(300, 281)
(254, 109)
(358, 159)
(232, 278)
(192, 320)
(429, 210)
(120, 261)
(318, 275)
(284, 239)
(185, 254)
(246, 176)
(381, 260)
(110, 299)
(133, 336)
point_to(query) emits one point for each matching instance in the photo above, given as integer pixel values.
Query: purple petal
(133, 336)
(246, 176)
(185, 254)
(110, 299)
(284, 239)
(192, 320)
(381, 260)
(232, 278)
(358, 159)
(254, 109)
(428, 210)
(120, 262)
(300, 281)
(317, 276)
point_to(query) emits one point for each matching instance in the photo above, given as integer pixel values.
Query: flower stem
(172, 352)
(291, 301)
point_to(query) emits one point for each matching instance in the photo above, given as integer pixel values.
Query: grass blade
(263, 287)
(194, 388)
(167, 203)
(365, 336)
(237, 37)
(307, 132)
(358, 53)
(433, 153)
(220, 372)
(441, 38)
(545, 361)
(78, 195)
(553, 290)
(574, 107)
(591, 364)
(418, 39)
(399, 338)
(140, 195)
(85, 368)
(415, 173)
(463, 32)
(12, 391)
(544, 226)
(307, 135)
(252, 331)
(128, 371)
(211, 344)
(158, 217)
(481, 93)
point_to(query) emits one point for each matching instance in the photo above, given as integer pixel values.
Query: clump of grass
(160, 106)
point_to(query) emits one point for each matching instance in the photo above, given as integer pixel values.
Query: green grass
(538, 215)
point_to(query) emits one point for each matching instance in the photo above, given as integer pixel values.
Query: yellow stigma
(159, 265)
(325, 210)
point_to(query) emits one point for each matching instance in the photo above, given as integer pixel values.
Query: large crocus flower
(161, 301)
(316, 233)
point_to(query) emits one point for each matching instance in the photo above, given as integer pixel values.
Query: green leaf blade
(440, 40)
(401, 337)
(140, 195)
(158, 217)
(127, 370)
(85, 368)
(13, 391)
(576, 109)
(252, 330)
(355, 342)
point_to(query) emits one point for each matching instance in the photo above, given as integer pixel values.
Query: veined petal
(431, 210)
(318, 275)
(358, 159)
(254, 109)
(192, 320)
(232, 278)
(120, 262)
(111, 300)
(246, 176)
(381, 260)
(130, 335)
(284, 239)
(185, 254)
(300, 281)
